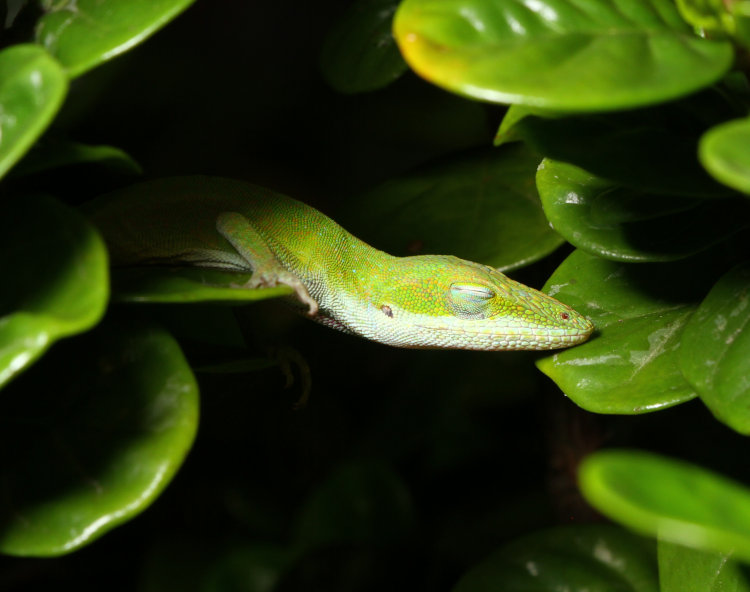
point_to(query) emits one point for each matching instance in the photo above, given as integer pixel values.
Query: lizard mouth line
(521, 332)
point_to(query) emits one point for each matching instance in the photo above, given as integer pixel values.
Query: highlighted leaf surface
(560, 54)
(482, 207)
(630, 364)
(674, 500)
(715, 355)
(82, 456)
(55, 283)
(32, 88)
(594, 558)
(84, 33)
(623, 224)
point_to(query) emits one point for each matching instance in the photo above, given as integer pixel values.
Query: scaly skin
(426, 301)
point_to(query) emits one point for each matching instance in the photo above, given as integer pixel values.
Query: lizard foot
(262, 279)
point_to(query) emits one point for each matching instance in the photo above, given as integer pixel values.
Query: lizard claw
(305, 297)
(271, 280)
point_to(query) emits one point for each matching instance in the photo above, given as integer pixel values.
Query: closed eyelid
(470, 301)
(473, 290)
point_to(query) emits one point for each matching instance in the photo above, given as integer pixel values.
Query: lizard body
(424, 301)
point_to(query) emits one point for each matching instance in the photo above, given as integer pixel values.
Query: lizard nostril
(564, 316)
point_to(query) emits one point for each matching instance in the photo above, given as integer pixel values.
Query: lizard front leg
(268, 271)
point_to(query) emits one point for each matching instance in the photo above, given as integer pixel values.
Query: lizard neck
(352, 282)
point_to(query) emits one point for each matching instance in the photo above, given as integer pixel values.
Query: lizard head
(436, 301)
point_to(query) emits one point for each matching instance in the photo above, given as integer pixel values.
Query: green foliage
(55, 155)
(622, 223)
(621, 170)
(677, 501)
(682, 569)
(624, 146)
(639, 312)
(90, 456)
(598, 558)
(82, 34)
(59, 284)
(483, 207)
(714, 357)
(360, 53)
(95, 449)
(187, 285)
(717, 17)
(32, 87)
(559, 54)
(723, 152)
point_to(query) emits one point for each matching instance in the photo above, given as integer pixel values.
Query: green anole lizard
(424, 301)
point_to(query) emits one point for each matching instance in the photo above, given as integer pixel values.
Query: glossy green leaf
(725, 152)
(715, 354)
(55, 282)
(364, 502)
(82, 34)
(717, 18)
(630, 364)
(559, 54)
(483, 207)
(591, 558)
(682, 569)
(711, 15)
(674, 500)
(186, 284)
(53, 155)
(506, 133)
(32, 88)
(606, 219)
(515, 113)
(92, 438)
(359, 53)
(652, 150)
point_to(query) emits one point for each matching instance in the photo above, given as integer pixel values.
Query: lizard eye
(470, 301)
